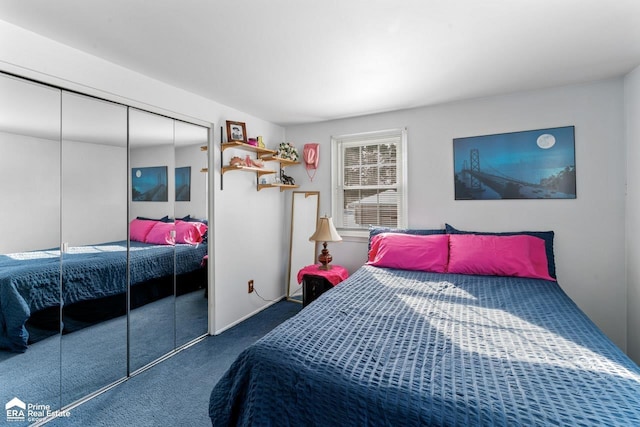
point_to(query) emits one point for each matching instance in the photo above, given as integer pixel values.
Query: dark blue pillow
(375, 230)
(189, 219)
(163, 219)
(547, 236)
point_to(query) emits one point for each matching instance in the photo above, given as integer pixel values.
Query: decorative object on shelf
(252, 141)
(287, 150)
(286, 179)
(311, 157)
(260, 142)
(326, 232)
(236, 131)
(256, 163)
(237, 162)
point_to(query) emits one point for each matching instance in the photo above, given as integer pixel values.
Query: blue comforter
(391, 347)
(32, 281)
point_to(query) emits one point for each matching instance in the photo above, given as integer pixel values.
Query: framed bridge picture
(183, 184)
(533, 164)
(149, 184)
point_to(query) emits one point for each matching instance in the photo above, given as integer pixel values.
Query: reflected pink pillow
(410, 252)
(160, 234)
(190, 232)
(519, 255)
(139, 228)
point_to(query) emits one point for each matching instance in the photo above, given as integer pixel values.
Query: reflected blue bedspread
(389, 347)
(31, 281)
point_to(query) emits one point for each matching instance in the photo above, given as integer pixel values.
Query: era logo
(15, 409)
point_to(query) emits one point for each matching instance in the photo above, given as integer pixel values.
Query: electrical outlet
(250, 286)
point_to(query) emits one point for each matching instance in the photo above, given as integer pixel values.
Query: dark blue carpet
(96, 356)
(176, 391)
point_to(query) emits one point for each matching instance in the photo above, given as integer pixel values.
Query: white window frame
(338, 143)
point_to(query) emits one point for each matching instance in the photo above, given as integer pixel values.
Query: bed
(397, 346)
(30, 281)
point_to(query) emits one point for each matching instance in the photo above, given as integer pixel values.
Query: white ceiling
(298, 61)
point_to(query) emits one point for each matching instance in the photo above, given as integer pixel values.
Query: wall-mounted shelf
(282, 187)
(263, 154)
(204, 148)
(259, 171)
(283, 163)
(248, 147)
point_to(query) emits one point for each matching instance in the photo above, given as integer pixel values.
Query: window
(369, 181)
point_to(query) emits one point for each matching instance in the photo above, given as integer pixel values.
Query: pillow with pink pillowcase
(410, 252)
(139, 229)
(161, 234)
(190, 232)
(518, 255)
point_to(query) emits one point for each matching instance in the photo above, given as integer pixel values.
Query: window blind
(369, 186)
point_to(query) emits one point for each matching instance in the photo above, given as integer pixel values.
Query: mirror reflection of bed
(78, 319)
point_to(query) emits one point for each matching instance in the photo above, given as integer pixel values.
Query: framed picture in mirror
(236, 131)
(149, 184)
(183, 184)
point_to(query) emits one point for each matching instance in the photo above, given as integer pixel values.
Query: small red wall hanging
(311, 158)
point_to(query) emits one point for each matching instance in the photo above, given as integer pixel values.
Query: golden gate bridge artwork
(536, 164)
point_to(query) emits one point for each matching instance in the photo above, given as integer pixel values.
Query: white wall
(196, 207)
(243, 218)
(94, 202)
(632, 110)
(30, 212)
(589, 243)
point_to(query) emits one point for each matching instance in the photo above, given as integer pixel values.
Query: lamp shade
(325, 232)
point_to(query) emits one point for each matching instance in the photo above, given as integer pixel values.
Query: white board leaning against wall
(302, 252)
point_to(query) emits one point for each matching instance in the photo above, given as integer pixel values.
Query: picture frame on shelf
(236, 131)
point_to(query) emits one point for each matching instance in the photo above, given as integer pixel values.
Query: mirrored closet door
(94, 245)
(191, 142)
(152, 251)
(29, 243)
(168, 192)
(104, 229)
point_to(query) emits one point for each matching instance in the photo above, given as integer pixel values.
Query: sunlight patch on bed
(22, 256)
(497, 333)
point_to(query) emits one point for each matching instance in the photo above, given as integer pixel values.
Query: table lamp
(325, 232)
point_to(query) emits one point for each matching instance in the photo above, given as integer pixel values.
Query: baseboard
(253, 313)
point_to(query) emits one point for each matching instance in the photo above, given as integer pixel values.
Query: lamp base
(325, 258)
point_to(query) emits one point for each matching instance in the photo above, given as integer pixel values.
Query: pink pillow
(520, 255)
(190, 232)
(139, 228)
(161, 234)
(410, 252)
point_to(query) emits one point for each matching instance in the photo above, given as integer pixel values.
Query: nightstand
(315, 281)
